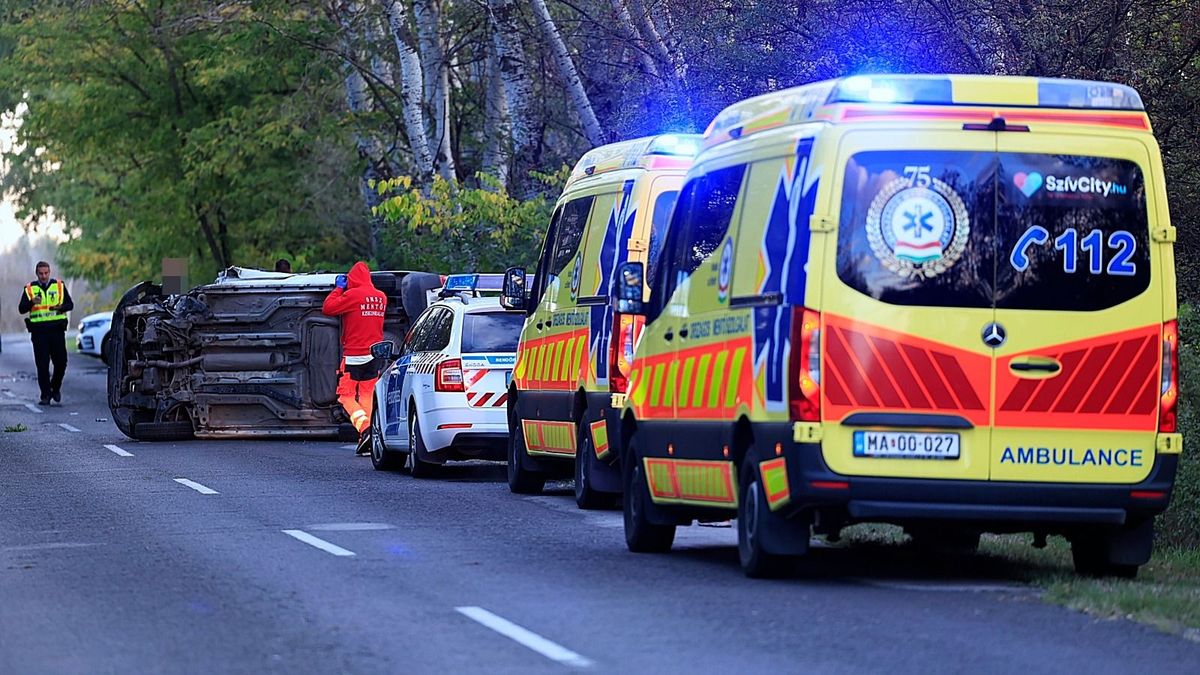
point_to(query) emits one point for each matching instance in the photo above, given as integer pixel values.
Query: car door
(400, 389)
(1080, 302)
(906, 374)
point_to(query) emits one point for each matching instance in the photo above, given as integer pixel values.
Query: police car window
(491, 332)
(708, 216)
(570, 231)
(664, 205)
(917, 227)
(439, 332)
(1072, 232)
(417, 336)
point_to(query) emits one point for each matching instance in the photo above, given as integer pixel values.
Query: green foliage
(15, 428)
(1180, 525)
(178, 130)
(452, 228)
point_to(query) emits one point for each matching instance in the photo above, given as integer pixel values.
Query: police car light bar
(460, 283)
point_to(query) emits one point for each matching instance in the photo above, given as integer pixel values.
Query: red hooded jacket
(361, 307)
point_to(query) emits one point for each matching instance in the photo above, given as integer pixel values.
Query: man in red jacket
(361, 307)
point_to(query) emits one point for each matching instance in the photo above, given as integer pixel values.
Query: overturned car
(250, 355)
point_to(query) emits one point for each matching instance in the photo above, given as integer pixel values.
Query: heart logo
(1028, 183)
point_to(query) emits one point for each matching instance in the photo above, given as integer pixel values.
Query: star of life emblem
(917, 231)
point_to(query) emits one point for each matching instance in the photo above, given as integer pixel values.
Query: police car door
(1080, 303)
(907, 311)
(400, 390)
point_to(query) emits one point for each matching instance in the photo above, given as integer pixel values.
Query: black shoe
(45, 400)
(364, 444)
(57, 396)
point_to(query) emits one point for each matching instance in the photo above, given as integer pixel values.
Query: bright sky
(10, 230)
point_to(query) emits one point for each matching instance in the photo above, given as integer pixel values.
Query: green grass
(13, 428)
(1165, 594)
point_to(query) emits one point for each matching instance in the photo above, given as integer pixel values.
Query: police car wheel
(642, 536)
(756, 561)
(521, 481)
(381, 458)
(416, 466)
(586, 497)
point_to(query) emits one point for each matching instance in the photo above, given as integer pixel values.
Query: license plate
(905, 445)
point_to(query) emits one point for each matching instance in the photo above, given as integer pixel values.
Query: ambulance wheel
(521, 481)
(382, 458)
(1114, 553)
(416, 466)
(642, 536)
(587, 497)
(756, 561)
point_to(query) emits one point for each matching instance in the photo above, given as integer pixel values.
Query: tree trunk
(410, 90)
(645, 23)
(630, 32)
(359, 103)
(495, 128)
(518, 93)
(568, 74)
(436, 77)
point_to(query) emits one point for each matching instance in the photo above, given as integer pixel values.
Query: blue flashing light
(461, 283)
(683, 145)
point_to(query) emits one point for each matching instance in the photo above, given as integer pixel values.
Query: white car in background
(445, 397)
(93, 335)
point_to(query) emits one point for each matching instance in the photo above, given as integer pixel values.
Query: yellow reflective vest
(45, 302)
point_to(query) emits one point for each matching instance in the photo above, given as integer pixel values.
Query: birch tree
(568, 73)
(436, 83)
(495, 118)
(518, 92)
(411, 89)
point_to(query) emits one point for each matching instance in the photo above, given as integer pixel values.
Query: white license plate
(905, 445)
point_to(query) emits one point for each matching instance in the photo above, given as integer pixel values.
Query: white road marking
(33, 408)
(318, 543)
(68, 427)
(525, 637)
(120, 451)
(197, 487)
(10, 394)
(350, 527)
(351, 446)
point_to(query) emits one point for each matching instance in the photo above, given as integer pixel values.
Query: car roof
(470, 305)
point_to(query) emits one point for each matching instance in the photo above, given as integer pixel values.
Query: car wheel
(382, 458)
(586, 497)
(521, 481)
(104, 349)
(1091, 559)
(642, 536)
(756, 561)
(416, 466)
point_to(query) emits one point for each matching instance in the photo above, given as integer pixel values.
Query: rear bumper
(1014, 506)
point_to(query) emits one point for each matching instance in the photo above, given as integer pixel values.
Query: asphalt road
(298, 557)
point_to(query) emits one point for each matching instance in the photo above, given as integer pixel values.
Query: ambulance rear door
(1080, 304)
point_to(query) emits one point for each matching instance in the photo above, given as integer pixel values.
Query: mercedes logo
(994, 335)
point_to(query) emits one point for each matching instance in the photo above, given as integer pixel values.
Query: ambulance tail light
(448, 376)
(626, 330)
(1168, 401)
(804, 367)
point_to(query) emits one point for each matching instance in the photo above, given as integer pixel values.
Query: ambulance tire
(418, 467)
(641, 535)
(753, 514)
(1116, 553)
(383, 459)
(521, 481)
(586, 496)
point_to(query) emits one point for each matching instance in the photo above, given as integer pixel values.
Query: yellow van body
(945, 302)
(613, 208)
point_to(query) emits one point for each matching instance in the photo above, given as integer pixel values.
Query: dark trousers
(50, 346)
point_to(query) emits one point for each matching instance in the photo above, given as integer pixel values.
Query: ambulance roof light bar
(634, 153)
(941, 90)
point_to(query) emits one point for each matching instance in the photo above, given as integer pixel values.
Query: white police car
(93, 335)
(445, 397)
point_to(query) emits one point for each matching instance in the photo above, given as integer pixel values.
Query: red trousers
(357, 398)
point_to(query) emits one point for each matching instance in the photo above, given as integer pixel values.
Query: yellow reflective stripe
(775, 482)
(684, 481)
(672, 384)
(687, 383)
(735, 377)
(714, 390)
(698, 385)
(656, 385)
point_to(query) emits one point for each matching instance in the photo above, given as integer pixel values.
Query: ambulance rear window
(916, 227)
(1072, 232)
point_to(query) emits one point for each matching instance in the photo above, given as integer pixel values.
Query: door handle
(1034, 366)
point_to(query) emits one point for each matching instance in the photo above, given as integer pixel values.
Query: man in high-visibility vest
(47, 303)
(361, 307)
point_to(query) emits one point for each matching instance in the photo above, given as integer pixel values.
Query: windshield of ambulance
(981, 229)
(491, 332)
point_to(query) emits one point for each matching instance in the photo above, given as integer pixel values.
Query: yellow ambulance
(573, 352)
(943, 302)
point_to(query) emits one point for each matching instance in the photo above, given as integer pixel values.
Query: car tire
(521, 481)
(104, 344)
(587, 497)
(418, 467)
(382, 459)
(641, 535)
(756, 561)
(1093, 552)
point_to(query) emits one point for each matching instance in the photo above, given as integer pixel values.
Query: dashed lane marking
(68, 427)
(33, 408)
(119, 451)
(10, 394)
(319, 543)
(197, 487)
(525, 637)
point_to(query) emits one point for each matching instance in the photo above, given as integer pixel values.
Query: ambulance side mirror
(628, 287)
(515, 292)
